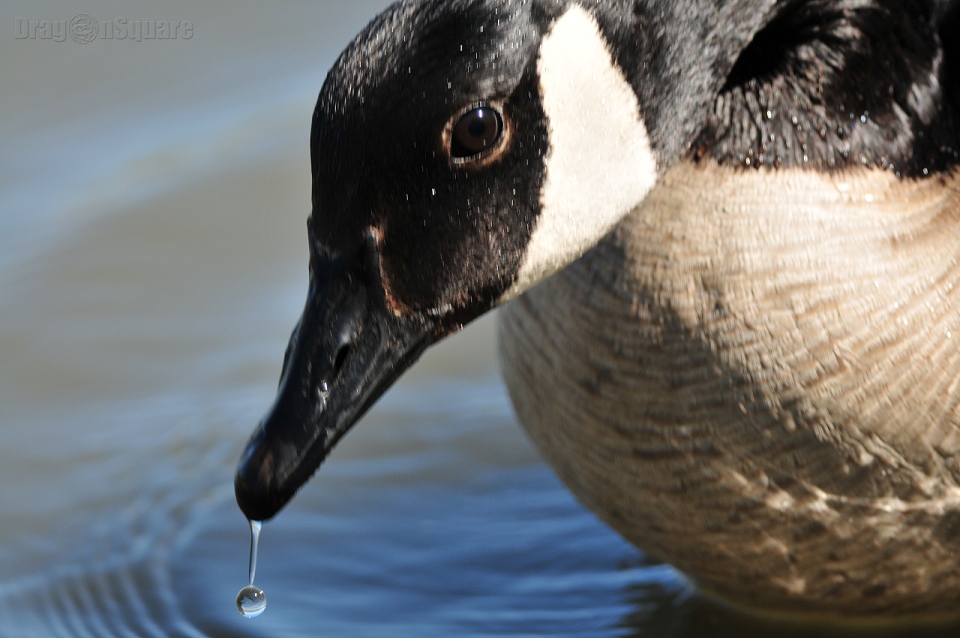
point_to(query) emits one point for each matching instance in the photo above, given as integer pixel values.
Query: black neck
(815, 84)
(677, 55)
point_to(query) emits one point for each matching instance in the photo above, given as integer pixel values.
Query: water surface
(153, 198)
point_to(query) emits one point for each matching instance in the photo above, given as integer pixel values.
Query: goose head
(461, 152)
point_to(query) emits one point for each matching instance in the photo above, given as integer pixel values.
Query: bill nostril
(341, 357)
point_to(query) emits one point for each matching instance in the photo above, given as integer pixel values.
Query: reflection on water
(153, 199)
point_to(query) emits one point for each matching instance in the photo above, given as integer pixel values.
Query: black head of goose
(749, 368)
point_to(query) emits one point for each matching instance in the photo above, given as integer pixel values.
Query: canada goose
(751, 368)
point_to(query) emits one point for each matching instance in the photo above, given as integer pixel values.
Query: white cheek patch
(599, 165)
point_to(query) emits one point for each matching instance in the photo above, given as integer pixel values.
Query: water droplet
(323, 393)
(251, 601)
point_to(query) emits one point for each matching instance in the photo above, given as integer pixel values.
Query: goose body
(727, 243)
(782, 419)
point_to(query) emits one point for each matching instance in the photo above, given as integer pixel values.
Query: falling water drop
(251, 601)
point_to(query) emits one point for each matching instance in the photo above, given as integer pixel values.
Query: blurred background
(153, 259)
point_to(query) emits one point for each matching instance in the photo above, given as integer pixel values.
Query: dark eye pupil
(475, 132)
(477, 127)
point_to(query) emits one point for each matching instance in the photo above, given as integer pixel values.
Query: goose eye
(476, 132)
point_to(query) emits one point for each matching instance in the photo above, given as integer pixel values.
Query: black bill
(348, 348)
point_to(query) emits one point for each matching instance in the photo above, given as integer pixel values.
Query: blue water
(153, 199)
